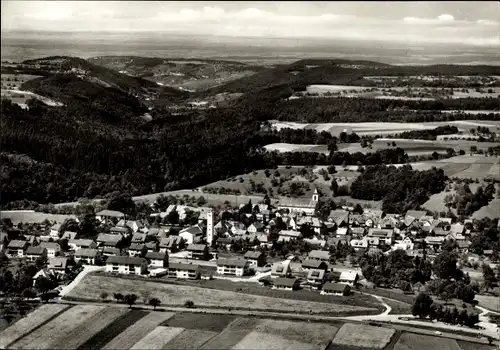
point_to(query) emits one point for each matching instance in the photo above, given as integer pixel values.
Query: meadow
(125, 328)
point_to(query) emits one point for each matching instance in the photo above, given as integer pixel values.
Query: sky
(437, 22)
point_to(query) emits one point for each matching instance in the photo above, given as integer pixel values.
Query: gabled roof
(339, 216)
(126, 260)
(119, 229)
(169, 242)
(290, 233)
(183, 267)
(252, 254)
(416, 214)
(58, 263)
(136, 246)
(108, 238)
(69, 235)
(110, 213)
(280, 269)
(156, 255)
(384, 233)
(81, 242)
(86, 253)
(196, 247)
(15, 243)
(232, 262)
(313, 264)
(38, 250)
(348, 276)
(285, 282)
(319, 254)
(139, 237)
(334, 287)
(50, 245)
(111, 251)
(194, 230)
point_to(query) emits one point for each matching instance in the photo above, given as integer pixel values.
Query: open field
(44, 337)
(492, 210)
(138, 330)
(158, 338)
(91, 287)
(27, 216)
(382, 128)
(489, 302)
(398, 307)
(164, 330)
(20, 97)
(361, 335)
(409, 341)
(14, 81)
(290, 147)
(28, 324)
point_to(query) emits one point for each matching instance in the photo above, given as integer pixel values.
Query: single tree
(189, 304)
(104, 296)
(118, 297)
(130, 299)
(154, 302)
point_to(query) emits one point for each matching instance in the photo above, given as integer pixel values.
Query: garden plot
(78, 336)
(27, 324)
(361, 335)
(92, 286)
(158, 338)
(259, 340)
(410, 341)
(43, 337)
(138, 330)
(190, 339)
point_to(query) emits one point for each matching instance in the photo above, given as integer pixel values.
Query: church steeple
(315, 196)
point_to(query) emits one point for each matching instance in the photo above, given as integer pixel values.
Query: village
(286, 246)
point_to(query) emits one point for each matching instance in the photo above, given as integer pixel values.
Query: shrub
(189, 304)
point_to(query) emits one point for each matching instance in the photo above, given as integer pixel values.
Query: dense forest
(97, 144)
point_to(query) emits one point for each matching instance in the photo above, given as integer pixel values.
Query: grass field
(147, 329)
(488, 301)
(409, 341)
(361, 335)
(32, 217)
(174, 294)
(398, 307)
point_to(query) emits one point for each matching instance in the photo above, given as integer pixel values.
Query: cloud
(487, 22)
(441, 19)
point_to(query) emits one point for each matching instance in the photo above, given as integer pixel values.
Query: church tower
(210, 227)
(315, 197)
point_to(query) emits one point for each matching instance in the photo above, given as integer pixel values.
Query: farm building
(255, 258)
(286, 283)
(126, 265)
(33, 253)
(331, 288)
(233, 267)
(184, 271)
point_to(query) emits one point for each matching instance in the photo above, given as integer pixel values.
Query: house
(53, 249)
(339, 217)
(127, 265)
(110, 251)
(197, 251)
(406, 244)
(152, 246)
(45, 272)
(184, 271)
(286, 283)
(170, 244)
(385, 236)
(86, 256)
(117, 230)
(357, 231)
(255, 258)
(280, 270)
(108, 240)
(233, 267)
(316, 277)
(157, 259)
(320, 255)
(58, 265)
(139, 238)
(17, 248)
(54, 231)
(69, 235)
(342, 231)
(331, 288)
(33, 253)
(192, 234)
(137, 249)
(299, 206)
(287, 235)
(349, 277)
(255, 227)
(133, 225)
(434, 241)
(357, 220)
(415, 215)
(309, 264)
(77, 244)
(106, 215)
(359, 244)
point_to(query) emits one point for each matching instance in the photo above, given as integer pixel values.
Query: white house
(321, 255)
(335, 289)
(287, 235)
(286, 283)
(77, 244)
(192, 234)
(53, 249)
(86, 255)
(184, 271)
(233, 267)
(255, 258)
(126, 265)
(54, 231)
(349, 277)
(157, 259)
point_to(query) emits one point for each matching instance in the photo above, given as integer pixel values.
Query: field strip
(42, 338)
(119, 325)
(190, 339)
(30, 323)
(138, 330)
(259, 340)
(232, 335)
(363, 336)
(78, 336)
(158, 338)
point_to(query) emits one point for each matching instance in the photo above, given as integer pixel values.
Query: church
(300, 205)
